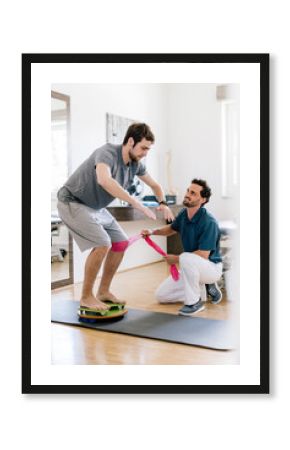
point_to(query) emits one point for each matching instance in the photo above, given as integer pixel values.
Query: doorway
(61, 241)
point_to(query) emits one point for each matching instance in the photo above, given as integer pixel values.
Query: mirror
(61, 242)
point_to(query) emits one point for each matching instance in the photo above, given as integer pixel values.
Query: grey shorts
(90, 227)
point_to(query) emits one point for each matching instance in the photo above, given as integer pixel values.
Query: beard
(133, 157)
(188, 204)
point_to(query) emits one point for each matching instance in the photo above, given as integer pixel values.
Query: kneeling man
(201, 263)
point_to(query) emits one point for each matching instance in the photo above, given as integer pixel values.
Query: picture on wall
(116, 127)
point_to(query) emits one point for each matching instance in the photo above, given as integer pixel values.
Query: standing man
(107, 174)
(200, 264)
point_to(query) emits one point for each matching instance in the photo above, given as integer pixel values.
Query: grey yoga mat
(154, 325)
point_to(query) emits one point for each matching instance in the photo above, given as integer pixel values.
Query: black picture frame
(248, 58)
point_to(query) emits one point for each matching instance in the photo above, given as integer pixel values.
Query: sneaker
(190, 310)
(214, 292)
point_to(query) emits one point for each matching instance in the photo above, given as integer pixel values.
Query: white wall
(91, 102)
(194, 134)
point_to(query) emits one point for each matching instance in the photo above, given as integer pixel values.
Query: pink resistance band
(123, 245)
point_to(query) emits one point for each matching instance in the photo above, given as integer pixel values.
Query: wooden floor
(60, 269)
(76, 345)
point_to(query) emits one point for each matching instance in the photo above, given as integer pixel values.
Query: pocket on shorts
(103, 217)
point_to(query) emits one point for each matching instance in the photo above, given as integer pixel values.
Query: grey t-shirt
(82, 186)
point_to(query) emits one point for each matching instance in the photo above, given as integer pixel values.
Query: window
(229, 98)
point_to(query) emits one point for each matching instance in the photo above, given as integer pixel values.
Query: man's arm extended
(168, 231)
(164, 231)
(105, 180)
(156, 188)
(159, 194)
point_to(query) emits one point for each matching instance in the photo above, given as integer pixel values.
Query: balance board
(196, 331)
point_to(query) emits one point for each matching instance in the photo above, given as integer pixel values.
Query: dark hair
(206, 191)
(138, 131)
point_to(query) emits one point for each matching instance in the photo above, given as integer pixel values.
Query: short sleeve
(106, 158)
(209, 237)
(175, 225)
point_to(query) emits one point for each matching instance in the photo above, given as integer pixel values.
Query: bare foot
(93, 302)
(109, 296)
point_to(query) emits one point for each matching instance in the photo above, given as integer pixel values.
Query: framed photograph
(104, 309)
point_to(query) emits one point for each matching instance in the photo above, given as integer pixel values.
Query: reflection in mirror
(61, 243)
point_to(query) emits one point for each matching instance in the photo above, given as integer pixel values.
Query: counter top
(127, 213)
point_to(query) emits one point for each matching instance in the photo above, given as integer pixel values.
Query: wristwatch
(163, 202)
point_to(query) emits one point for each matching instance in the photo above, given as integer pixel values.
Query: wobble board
(109, 315)
(115, 310)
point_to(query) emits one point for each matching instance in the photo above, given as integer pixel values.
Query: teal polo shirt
(199, 233)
